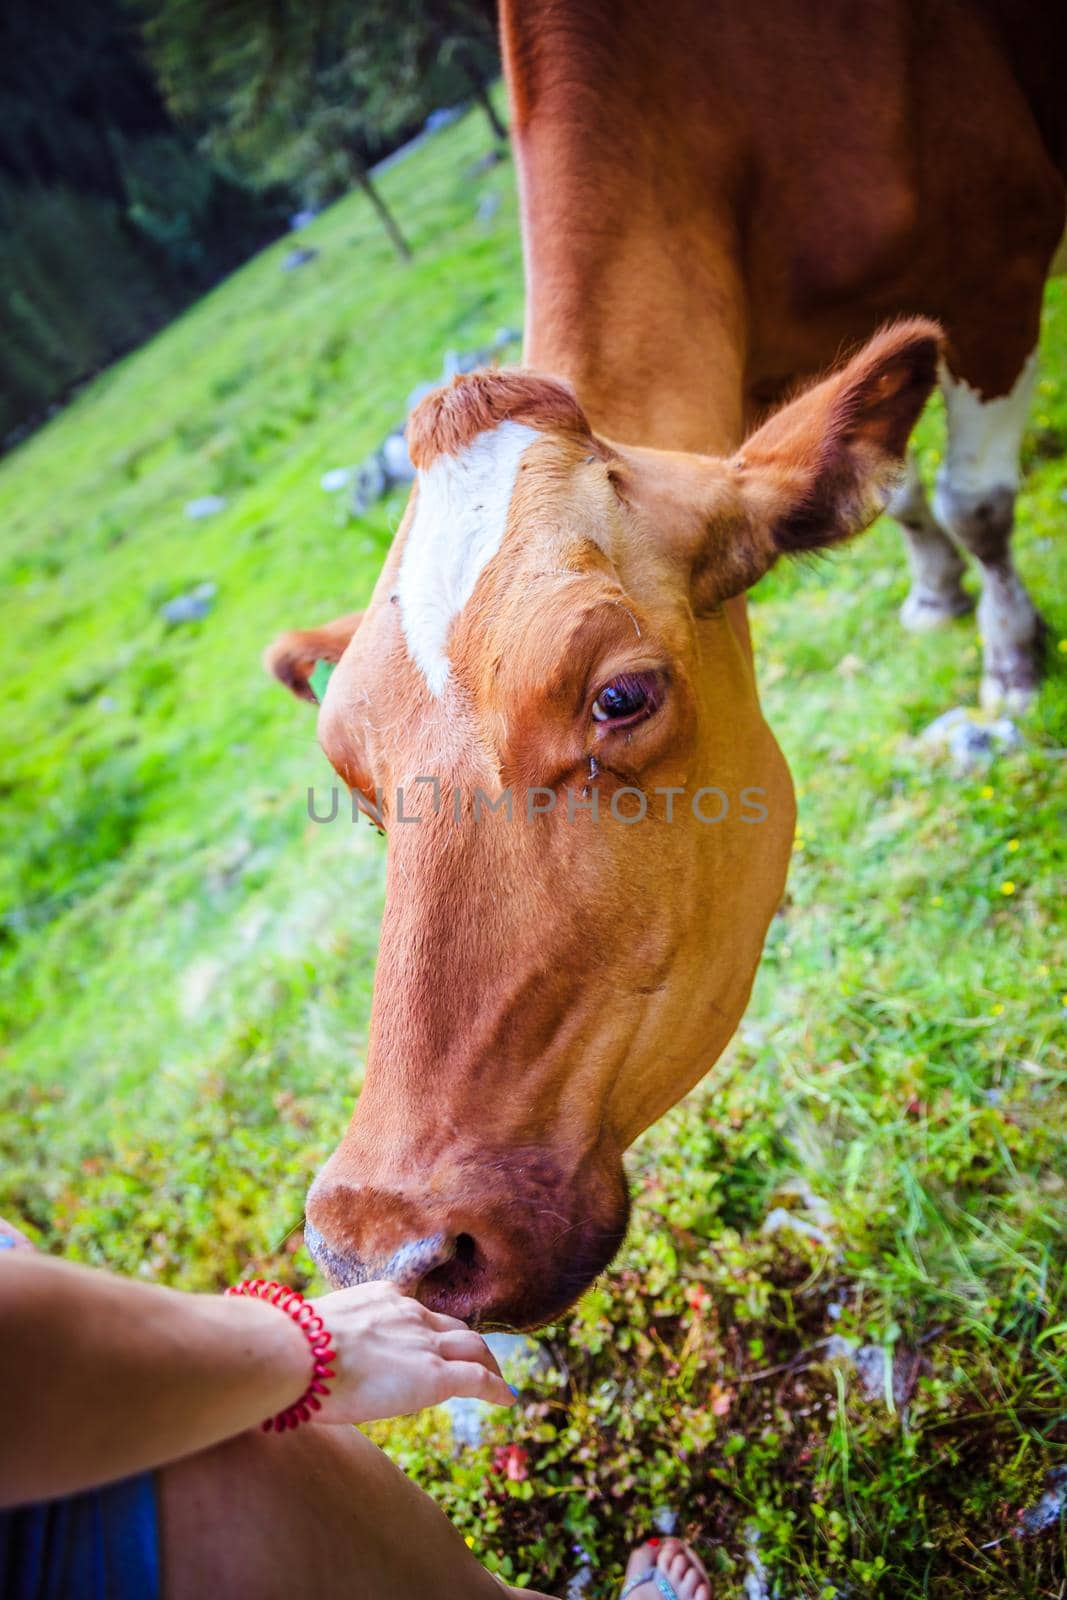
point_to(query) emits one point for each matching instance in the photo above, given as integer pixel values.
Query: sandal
(653, 1575)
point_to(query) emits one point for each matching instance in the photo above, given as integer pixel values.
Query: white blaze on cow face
(461, 512)
(984, 436)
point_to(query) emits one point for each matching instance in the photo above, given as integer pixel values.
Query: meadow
(186, 963)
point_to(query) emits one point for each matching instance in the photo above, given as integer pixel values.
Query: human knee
(264, 1470)
(261, 1513)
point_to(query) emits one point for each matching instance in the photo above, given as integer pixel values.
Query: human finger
(472, 1380)
(441, 1322)
(467, 1346)
(381, 1291)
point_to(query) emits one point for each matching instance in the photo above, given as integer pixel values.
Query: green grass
(186, 962)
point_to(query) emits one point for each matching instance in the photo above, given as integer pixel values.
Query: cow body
(719, 199)
(716, 201)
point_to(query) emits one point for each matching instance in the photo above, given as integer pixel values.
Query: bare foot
(676, 1562)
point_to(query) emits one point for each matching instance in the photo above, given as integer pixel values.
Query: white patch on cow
(460, 517)
(984, 436)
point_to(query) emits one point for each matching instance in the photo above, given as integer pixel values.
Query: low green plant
(186, 963)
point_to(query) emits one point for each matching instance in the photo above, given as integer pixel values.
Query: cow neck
(634, 289)
(659, 389)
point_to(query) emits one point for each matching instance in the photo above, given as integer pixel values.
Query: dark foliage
(111, 221)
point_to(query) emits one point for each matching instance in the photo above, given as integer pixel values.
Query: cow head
(550, 703)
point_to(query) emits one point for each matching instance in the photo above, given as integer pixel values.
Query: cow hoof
(998, 696)
(927, 609)
(1011, 669)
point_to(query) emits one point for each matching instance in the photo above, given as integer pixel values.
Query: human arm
(107, 1376)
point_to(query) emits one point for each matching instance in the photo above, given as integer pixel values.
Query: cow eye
(627, 698)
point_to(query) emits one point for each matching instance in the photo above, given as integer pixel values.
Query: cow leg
(975, 500)
(936, 594)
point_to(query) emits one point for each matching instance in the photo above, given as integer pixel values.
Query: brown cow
(718, 198)
(560, 626)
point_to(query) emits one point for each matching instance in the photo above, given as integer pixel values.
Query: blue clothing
(100, 1545)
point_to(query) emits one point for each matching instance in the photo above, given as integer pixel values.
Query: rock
(1050, 1508)
(208, 505)
(757, 1584)
(465, 1418)
(390, 464)
(487, 208)
(395, 459)
(780, 1218)
(457, 362)
(441, 118)
(1043, 1514)
(868, 1361)
(299, 258)
(665, 1521)
(517, 1357)
(420, 391)
(970, 740)
(579, 1585)
(190, 607)
(809, 1216)
(368, 485)
(196, 986)
(486, 163)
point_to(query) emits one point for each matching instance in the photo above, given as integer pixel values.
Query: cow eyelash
(629, 698)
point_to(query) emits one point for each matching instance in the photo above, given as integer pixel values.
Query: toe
(684, 1570)
(642, 1560)
(680, 1565)
(677, 1567)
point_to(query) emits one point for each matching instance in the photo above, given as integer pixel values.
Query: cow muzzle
(511, 1256)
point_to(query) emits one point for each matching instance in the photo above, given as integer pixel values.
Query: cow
(550, 702)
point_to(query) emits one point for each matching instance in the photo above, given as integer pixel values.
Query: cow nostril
(466, 1250)
(453, 1286)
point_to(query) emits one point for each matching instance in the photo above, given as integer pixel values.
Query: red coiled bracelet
(315, 1332)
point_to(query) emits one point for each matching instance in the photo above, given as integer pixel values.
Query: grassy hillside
(186, 962)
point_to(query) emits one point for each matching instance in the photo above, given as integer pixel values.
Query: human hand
(394, 1356)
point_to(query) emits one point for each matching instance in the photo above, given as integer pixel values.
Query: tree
(111, 220)
(431, 51)
(309, 92)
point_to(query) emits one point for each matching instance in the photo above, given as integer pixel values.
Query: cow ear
(292, 656)
(825, 465)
